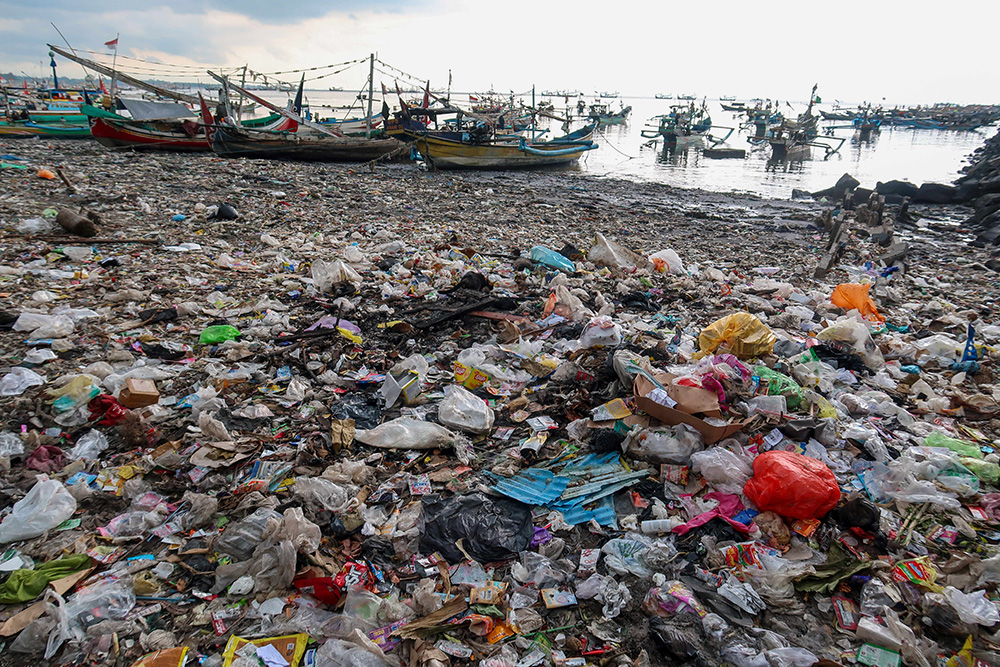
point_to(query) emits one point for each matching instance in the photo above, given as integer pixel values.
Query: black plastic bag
(491, 529)
(363, 408)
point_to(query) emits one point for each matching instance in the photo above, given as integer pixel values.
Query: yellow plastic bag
(854, 296)
(741, 334)
(291, 647)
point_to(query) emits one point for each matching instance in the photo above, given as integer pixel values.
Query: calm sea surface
(893, 153)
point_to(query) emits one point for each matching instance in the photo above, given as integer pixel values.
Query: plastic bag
(44, 326)
(492, 529)
(272, 567)
(742, 334)
(10, 445)
(464, 410)
(627, 555)
(218, 333)
(780, 384)
(564, 304)
(854, 296)
(854, 334)
(609, 253)
(723, 469)
(327, 274)
(239, 539)
(667, 261)
(792, 485)
(323, 493)
(961, 447)
(674, 444)
(89, 446)
(791, 656)
(407, 433)
(552, 259)
(601, 332)
(18, 380)
(46, 505)
(972, 607)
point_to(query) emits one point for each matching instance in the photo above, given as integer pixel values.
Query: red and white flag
(473, 99)
(113, 44)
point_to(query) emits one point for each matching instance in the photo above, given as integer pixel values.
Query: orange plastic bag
(854, 296)
(45, 173)
(740, 333)
(792, 485)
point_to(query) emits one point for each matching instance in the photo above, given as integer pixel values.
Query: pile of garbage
(381, 445)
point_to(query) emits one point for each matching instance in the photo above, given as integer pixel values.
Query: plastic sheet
(854, 296)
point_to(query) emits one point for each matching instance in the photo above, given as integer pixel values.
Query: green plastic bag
(960, 447)
(780, 384)
(984, 470)
(218, 334)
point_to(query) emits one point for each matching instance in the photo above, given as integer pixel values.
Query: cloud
(642, 47)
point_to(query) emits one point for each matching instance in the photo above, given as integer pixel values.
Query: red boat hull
(113, 134)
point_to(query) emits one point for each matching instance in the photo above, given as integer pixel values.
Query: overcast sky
(904, 51)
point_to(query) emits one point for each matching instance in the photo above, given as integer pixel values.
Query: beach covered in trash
(284, 414)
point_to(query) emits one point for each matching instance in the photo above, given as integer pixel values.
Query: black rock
(901, 188)
(936, 193)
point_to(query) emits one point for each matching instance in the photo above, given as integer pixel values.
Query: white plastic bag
(726, 471)
(667, 261)
(601, 332)
(18, 380)
(465, 411)
(972, 607)
(850, 331)
(89, 446)
(609, 253)
(673, 444)
(44, 326)
(47, 505)
(10, 445)
(407, 433)
(327, 274)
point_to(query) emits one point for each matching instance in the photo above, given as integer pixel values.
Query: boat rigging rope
(610, 145)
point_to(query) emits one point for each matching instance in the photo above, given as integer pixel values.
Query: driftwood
(74, 223)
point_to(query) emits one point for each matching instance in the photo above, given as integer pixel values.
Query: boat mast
(371, 83)
(114, 77)
(243, 84)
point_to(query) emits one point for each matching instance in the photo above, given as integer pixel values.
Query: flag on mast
(113, 44)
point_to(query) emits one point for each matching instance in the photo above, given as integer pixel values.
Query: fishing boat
(664, 96)
(27, 129)
(837, 115)
(727, 98)
(738, 107)
(687, 98)
(610, 96)
(793, 140)
(357, 125)
(505, 151)
(240, 141)
(685, 123)
(604, 116)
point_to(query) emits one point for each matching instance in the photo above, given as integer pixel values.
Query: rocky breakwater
(979, 186)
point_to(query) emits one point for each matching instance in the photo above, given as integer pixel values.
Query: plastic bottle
(551, 259)
(656, 526)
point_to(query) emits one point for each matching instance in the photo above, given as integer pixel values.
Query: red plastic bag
(792, 485)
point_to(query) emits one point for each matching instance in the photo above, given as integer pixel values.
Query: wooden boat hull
(794, 152)
(288, 146)
(138, 136)
(27, 129)
(444, 154)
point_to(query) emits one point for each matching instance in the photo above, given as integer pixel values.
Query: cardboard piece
(692, 406)
(433, 621)
(139, 393)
